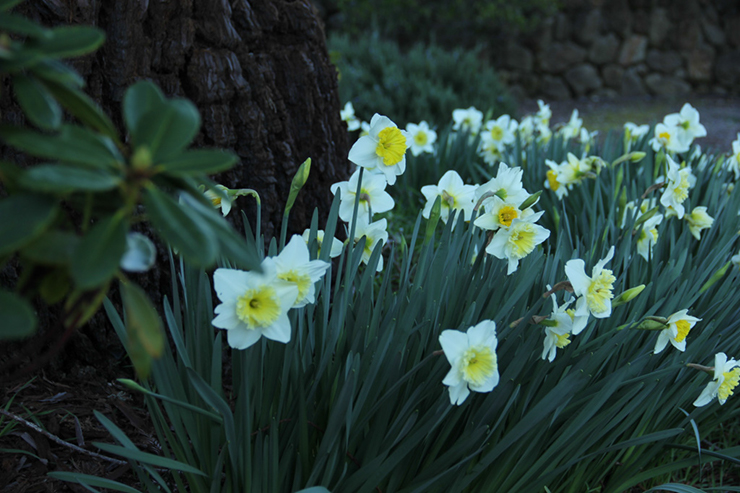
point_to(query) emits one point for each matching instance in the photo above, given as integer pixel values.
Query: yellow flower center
(600, 291)
(552, 180)
(448, 200)
(683, 328)
(562, 340)
(478, 364)
(302, 282)
(421, 138)
(522, 240)
(258, 307)
(664, 136)
(391, 146)
(732, 378)
(507, 214)
(682, 189)
(497, 133)
(216, 200)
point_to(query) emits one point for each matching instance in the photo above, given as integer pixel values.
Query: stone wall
(610, 48)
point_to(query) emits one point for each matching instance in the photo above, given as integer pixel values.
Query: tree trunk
(258, 70)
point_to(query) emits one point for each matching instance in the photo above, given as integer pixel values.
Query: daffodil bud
(300, 179)
(531, 200)
(652, 323)
(715, 277)
(637, 156)
(627, 296)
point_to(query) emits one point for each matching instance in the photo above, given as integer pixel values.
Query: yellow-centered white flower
(383, 149)
(295, 266)
(454, 195)
(501, 131)
(373, 196)
(726, 378)
(679, 325)
(557, 336)
(253, 305)
(518, 240)
(635, 132)
(686, 123)
(422, 138)
(698, 220)
(336, 245)
(677, 187)
(500, 214)
(220, 200)
(668, 138)
(507, 185)
(648, 236)
(572, 129)
(595, 292)
(467, 120)
(733, 163)
(374, 233)
(472, 355)
(348, 116)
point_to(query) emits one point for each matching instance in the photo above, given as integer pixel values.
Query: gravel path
(720, 116)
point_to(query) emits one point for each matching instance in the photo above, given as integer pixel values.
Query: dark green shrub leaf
(38, 104)
(185, 231)
(200, 161)
(53, 247)
(20, 25)
(61, 178)
(54, 286)
(6, 5)
(83, 108)
(17, 318)
(96, 258)
(70, 41)
(143, 326)
(25, 216)
(56, 71)
(139, 99)
(73, 145)
(168, 130)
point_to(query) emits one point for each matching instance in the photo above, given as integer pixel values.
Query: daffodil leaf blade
(17, 317)
(25, 216)
(185, 231)
(97, 256)
(89, 480)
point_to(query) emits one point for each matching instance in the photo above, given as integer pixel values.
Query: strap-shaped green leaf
(146, 458)
(200, 161)
(70, 41)
(73, 144)
(62, 178)
(96, 258)
(18, 24)
(17, 318)
(167, 130)
(143, 327)
(82, 107)
(185, 231)
(38, 104)
(53, 247)
(87, 479)
(25, 216)
(56, 71)
(139, 99)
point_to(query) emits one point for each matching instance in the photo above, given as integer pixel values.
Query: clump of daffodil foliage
(510, 306)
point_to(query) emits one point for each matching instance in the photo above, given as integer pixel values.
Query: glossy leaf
(143, 327)
(60, 178)
(82, 305)
(70, 41)
(54, 286)
(17, 24)
(166, 131)
(73, 144)
(186, 232)
(56, 71)
(17, 318)
(53, 247)
(38, 104)
(25, 216)
(6, 5)
(139, 99)
(200, 161)
(81, 106)
(96, 258)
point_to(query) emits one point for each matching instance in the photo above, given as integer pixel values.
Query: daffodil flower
(733, 163)
(422, 138)
(544, 113)
(383, 149)
(686, 124)
(648, 236)
(220, 200)
(372, 195)
(557, 332)
(472, 355)
(726, 378)
(699, 220)
(507, 185)
(467, 119)
(501, 130)
(348, 116)
(454, 193)
(336, 245)
(374, 233)
(677, 189)
(634, 131)
(294, 265)
(500, 214)
(595, 292)
(679, 325)
(253, 305)
(668, 138)
(518, 240)
(572, 129)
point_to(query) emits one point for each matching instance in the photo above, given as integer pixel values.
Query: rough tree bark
(259, 73)
(258, 70)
